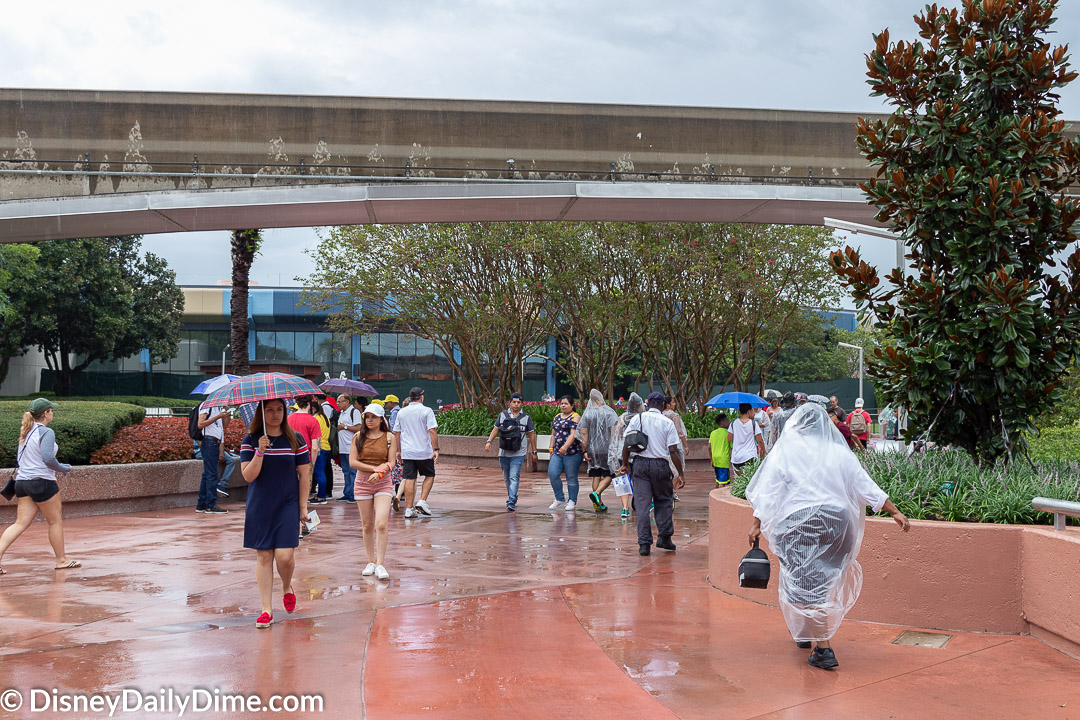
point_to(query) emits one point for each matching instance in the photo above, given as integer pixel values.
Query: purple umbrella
(352, 387)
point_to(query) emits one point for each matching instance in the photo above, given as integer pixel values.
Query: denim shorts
(37, 489)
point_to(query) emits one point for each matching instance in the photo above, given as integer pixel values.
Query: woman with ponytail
(35, 482)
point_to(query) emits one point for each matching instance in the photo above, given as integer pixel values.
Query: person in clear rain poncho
(633, 406)
(595, 428)
(809, 498)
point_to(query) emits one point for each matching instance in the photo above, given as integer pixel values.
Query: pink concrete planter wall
(107, 489)
(950, 576)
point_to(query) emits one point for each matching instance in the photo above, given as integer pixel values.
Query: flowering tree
(973, 170)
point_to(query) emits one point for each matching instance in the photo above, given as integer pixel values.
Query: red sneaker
(289, 601)
(264, 620)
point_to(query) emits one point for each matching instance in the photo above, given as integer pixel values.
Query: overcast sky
(791, 54)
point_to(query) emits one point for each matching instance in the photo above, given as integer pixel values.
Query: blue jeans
(230, 463)
(209, 483)
(350, 476)
(321, 468)
(570, 464)
(511, 467)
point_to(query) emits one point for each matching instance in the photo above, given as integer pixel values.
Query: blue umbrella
(208, 386)
(734, 399)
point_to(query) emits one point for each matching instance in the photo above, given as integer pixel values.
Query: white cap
(859, 402)
(375, 409)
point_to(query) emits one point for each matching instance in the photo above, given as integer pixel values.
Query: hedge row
(140, 400)
(80, 427)
(947, 485)
(477, 422)
(158, 439)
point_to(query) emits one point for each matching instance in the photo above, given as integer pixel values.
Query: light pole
(870, 230)
(223, 350)
(859, 348)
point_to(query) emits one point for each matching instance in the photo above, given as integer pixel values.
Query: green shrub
(140, 400)
(80, 427)
(947, 485)
(477, 422)
(1056, 443)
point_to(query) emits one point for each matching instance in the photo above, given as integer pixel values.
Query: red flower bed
(158, 439)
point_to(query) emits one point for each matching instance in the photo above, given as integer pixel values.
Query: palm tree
(245, 246)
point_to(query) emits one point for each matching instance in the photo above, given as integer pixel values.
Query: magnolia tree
(973, 173)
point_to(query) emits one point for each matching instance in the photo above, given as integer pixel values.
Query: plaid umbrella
(262, 386)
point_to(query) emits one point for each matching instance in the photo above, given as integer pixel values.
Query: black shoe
(643, 549)
(509, 508)
(318, 501)
(664, 541)
(803, 644)
(215, 510)
(200, 508)
(222, 493)
(823, 658)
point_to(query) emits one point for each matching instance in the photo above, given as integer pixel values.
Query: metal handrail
(1060, 509)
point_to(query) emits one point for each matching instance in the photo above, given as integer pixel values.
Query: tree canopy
(973, 172)
(95, 299)
(696, 305)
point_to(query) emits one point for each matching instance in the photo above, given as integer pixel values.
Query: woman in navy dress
(275, 462)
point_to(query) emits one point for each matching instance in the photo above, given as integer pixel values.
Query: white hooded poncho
(810, 495)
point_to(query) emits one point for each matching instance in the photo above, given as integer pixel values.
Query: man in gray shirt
(513, 426)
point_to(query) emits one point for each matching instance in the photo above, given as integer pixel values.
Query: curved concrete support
(951, 576)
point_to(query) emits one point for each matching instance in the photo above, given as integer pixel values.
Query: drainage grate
(914, 638)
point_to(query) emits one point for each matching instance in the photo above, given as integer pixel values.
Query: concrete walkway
(533, 614)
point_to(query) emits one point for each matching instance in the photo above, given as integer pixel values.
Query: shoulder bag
(636, 440)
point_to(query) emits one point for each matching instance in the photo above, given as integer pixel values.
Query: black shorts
(411, 468)
(37, 489)
(737, 467)
(599, 472)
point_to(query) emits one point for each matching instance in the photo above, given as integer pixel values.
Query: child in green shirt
(720, 442)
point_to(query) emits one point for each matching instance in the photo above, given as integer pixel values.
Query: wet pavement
(532, 614)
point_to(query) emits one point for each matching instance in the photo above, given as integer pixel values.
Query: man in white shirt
(651, 476)
(418, 442)
(350, 420)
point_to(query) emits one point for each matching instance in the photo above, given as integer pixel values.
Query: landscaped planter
(137, 487)
(952, 576)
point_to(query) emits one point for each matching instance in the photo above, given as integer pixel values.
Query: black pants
(653, 485)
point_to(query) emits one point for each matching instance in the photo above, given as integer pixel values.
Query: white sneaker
(380, 572)
(571, 505)
(409, 513)
(555, 505)
(422, 507)
(369, 569)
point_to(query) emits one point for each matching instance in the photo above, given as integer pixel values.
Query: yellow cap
(391, 398)
(376, 401)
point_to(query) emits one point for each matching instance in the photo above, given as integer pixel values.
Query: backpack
(510, 432)
(193, 430)
(857, 423)
(637, 441)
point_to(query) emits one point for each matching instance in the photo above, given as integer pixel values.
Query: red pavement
(533, 614)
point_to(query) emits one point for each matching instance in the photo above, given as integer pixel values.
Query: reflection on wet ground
(533, 613)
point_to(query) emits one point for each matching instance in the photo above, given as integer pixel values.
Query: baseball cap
(416, 393)
(859, 402)
(656, 397)
(40, 405)
(375, 409)
(391, 398)
(376, 401)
